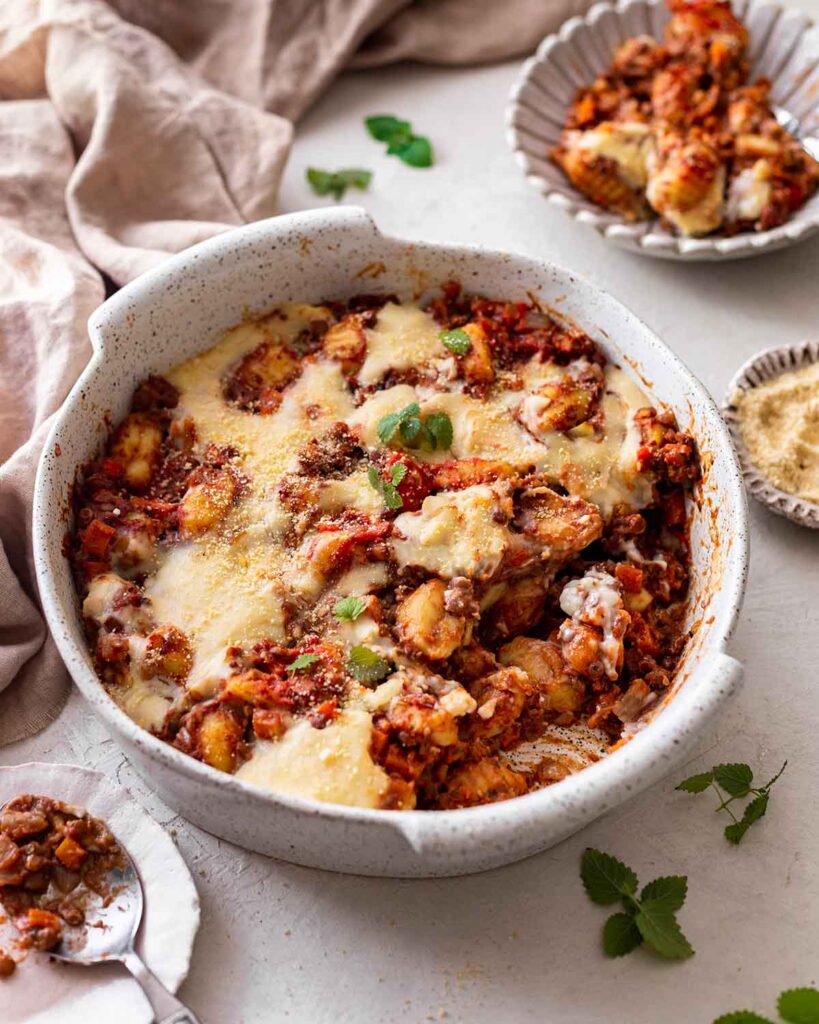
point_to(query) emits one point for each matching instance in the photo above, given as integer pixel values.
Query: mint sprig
(795, 1005)
(414, 150)
(336, 183)
(408, 429)
(649, 918)
(736, 782)
(388, 489)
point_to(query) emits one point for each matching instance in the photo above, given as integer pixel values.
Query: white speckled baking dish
(784, 47)
(180, 309)
(763, 367)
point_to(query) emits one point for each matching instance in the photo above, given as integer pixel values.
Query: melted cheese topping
(237, 582)
(749, 192)
(595, 600)
(454, 534)
(403, 337)
(331, 764)
(627, 143)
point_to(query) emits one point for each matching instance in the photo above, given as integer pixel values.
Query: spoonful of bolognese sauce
(72, 891)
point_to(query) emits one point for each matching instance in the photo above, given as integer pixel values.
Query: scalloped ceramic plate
(784, 47)
(758, 370)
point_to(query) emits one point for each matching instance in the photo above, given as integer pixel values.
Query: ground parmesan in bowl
(779, 421)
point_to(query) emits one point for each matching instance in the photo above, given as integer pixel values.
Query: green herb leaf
(336, 183)
(735, 832)
(669, 891)
(414, 150)
(756, 808)
(799, 1006)
(388, 425)
(383, 126)
(696, 783)
(392, 499)
(367, 666)
(660, 930)
(303, 661)
(456, 341)
(349, 608)
(388, 491)
(439, 426)
(742, 1017)
(399, 141)
(735, 779)
(605, 878)
(620, 935)
(417, 153)
(411, 431)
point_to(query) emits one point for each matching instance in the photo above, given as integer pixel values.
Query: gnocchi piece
(609, 164)
(461, 473)
(424, 624)
(346, 343)
(476, 364)
(518, 609)
(257, 382)
(561, 523)
(168, 652)
(562, 404)
(115, 605)
(207, 500)
(137, 444)
(686, 186)
(560, 690)
(480, 782)
(213, 732)
(419, 717)
(501, 699)
(580, 647)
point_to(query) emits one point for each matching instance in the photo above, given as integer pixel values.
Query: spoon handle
(167, 1008)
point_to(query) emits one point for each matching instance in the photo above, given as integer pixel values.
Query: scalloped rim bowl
(759, 369)
(181, 309)
(784, 47)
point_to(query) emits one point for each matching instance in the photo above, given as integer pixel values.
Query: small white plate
(42, 991)
(784, 47)
(758, 370)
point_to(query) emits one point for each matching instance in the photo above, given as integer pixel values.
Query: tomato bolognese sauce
(383, 554)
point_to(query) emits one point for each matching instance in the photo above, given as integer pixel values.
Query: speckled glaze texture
(180, 309)
(784, 47)
(760, 369)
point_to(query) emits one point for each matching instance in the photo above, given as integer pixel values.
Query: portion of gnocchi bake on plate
(675, 129)
(389, 555)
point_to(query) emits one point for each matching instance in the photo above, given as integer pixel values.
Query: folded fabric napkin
(131, 130)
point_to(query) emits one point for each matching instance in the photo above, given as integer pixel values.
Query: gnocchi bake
(675, 129)
(389, 554)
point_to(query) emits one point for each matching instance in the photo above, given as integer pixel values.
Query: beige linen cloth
(128, 131)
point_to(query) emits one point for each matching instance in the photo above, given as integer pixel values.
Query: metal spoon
(793, 126)
(109, 934)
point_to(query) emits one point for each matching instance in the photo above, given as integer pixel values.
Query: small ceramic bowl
(760, 369)
(784, 47)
